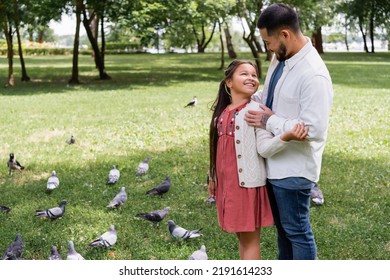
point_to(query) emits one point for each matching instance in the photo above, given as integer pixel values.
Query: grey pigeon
(143, 167)
(13, 164)
(161, 188)
(119, 199)
(53, 182)
(52, 213)
(107, 239)
(316, 196)
(113, 175)
(199, 254)
(210, 201)
(15, 249)
(155, 216)
(73, 255)
(71, 140)
(4, 209)
(182, 233)
(54, 255)
(192, 103)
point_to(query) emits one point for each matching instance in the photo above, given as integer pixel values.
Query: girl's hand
(298, 133)
(211, 188)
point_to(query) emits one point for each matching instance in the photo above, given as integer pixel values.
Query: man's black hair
(278, 16)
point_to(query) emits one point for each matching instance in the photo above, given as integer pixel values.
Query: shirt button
(242, 183)
(240, 170)
(237, 127)
(239, 156)
(238, 142)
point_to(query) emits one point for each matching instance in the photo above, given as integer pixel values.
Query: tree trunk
(202, 44)
(25, 77)
(372, 26)
(40, 36)
(364, 36)
(222, 47)
(10, 52)
(258, 45)
(317, 40)
(102, 71)
(103, 48)
(255, 54)
(94, 25)
(346, 36)
(229, 45)
(75, 64)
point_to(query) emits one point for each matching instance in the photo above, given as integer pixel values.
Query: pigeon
(143, 167)
(13, 164)
(316, 196)
(113, 175)
(181, 233)
(71, 140)
(15, 249)
(200, 254)
(119, 199)
(155, 216)
(107, 239)
(53, 182)
(54, 255)
(192, 103)
(4, 209)
(52, 213)
(72, 254)
(161, 188)
(209, 201)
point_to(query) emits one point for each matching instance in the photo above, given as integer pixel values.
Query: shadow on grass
(127, 72)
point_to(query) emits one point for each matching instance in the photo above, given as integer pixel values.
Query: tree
(25, 77)
(313, 15)
(89, 13)
(38, 13)
(368, 15)
(249, 12)
(7, 29)
(229, 45)
(75, 62)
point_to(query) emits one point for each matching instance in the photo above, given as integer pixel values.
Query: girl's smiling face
(244, 80)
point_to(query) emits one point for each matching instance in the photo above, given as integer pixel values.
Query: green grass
(140, 113)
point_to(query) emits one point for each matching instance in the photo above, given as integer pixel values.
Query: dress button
(240, 170)
(238, 142)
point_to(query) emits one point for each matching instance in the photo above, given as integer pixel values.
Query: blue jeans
(291, 211)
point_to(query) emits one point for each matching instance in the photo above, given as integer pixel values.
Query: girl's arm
(268, 144)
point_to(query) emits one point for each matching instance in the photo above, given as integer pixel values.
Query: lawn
(140, 113)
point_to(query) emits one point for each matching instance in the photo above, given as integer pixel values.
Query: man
(303, 93)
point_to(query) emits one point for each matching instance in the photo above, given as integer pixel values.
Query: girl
(237, 171)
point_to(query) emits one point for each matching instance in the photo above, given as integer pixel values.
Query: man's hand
(258, 118)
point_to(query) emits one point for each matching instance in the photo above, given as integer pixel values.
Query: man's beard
(281, 54)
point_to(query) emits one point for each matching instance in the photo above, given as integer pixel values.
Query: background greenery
(139, 113)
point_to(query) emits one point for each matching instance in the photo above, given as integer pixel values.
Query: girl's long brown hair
(221, 102)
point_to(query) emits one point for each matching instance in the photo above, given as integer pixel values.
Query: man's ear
(285, 33)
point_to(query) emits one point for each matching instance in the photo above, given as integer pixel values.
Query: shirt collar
(299, 55)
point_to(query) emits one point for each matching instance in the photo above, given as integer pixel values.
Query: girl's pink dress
(239, 209)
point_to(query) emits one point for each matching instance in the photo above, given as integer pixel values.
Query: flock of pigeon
(109, 238)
